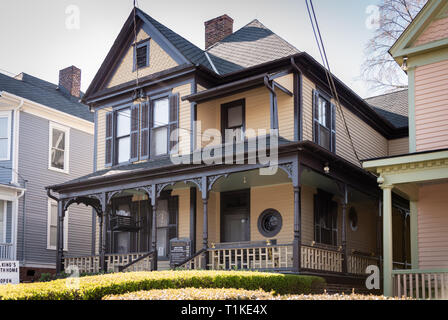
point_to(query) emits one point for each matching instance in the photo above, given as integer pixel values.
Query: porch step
(163, 265)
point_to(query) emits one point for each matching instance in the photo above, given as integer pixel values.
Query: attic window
(141, 59)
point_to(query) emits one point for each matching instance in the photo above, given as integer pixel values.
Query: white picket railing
(321, 259)
(6, 251)
(421, 284)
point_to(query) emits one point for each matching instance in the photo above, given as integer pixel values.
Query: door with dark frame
(235, 216)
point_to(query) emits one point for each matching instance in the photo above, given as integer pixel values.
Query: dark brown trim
(246, 192)
(224, 108)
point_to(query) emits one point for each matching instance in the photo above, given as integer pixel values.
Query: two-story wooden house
(317, 212)
(46, 136)
(421, 174)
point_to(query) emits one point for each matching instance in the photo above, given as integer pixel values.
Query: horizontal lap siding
(183, 211)
(33, 165)
(398, 146)
(307, 109)
(285, 105)
(101, 138)
(433, 226)
(184, 119)
(431, 106)
(437, 30)
(159, 60)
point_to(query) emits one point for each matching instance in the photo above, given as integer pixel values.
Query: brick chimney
(217, 29)
(70, 80)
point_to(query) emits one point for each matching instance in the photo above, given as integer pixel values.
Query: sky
(40, 37)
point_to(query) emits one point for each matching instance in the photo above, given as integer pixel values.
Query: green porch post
(387, 239)
(414, 235)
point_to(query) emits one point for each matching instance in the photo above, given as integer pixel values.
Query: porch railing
(322, 259)
(358, 263)
(196, 262)
(6, 251)
(421, 284)
(91, 264)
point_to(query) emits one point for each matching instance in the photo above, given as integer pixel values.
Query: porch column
(344, 230)
(154, 228)
(297, 236)
(413, 226)
(60, 236)
(103, 223)
(205, 221)
(387, 239)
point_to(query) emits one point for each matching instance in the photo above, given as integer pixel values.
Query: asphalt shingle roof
(45, 93)
(251, 45)
(392, 106)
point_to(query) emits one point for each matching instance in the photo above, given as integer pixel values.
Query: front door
(235, 213)
(166, 224)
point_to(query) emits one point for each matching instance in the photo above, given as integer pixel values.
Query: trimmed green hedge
(96, 287)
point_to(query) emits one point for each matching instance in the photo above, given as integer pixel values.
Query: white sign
(9, 272)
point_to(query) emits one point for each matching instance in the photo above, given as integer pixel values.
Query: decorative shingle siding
(159, 60)
(431, 101)
(437, 30)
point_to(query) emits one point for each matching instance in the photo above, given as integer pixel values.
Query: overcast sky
(36, 38)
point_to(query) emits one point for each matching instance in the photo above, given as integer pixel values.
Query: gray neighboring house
(46, 137)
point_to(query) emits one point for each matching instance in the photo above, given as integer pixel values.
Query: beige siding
(437, 30)
(431, 106)
(433, 226)
(307, 112)
(184, 119)
(159, 60)
(213, 219)
(285, 105)
(184, 212)
(101, 138)
(398, 146)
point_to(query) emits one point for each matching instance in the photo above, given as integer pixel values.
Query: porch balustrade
(91, 264)
(358, 263)
(321, 259)
(6, 251)
(420, 284)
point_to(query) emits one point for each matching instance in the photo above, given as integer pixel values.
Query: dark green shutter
(135, 115)
(109, 139)
(333, 128)
(316, 126)
(144, 144)
(174, 120)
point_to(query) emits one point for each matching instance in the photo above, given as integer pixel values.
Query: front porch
(312, 216)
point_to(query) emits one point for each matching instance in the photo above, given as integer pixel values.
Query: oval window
(353, 218)
(270, 222)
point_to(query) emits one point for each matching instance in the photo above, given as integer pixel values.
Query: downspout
(298, 134)
(274, 113)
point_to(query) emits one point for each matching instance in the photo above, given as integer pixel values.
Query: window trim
(49, 246)
(7, 114)
(5, 222)
(115, 152)
(138, 45)
(316, 118)
(66, 150)
(152, 154)
(224, 121)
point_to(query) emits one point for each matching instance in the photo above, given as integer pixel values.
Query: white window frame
(67, 147)
(50, 247)
(7, 114)
(4, 214)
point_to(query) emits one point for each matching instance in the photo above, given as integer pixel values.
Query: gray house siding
(5, 166)
(33, 166)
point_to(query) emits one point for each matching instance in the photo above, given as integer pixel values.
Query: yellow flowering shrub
(96, 287)
(234, 294)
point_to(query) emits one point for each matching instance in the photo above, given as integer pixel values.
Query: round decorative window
(353, 218)
(270, 222)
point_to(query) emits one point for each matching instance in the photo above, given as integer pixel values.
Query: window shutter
(316, 116)
(134, 132)
(144, 144)
(174, 119)
(333, 127)
(109, 139)
(151, 125)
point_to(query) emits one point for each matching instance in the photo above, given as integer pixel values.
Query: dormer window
(141, 56)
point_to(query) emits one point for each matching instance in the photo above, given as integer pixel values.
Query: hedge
(96, 287)
(234, 294)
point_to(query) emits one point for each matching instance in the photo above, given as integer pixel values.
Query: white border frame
(8, 115)
(67, 147)
(49, 247)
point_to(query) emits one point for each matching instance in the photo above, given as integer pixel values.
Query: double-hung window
(324, 121)
(59, 148)
(52, 226)
(5, 135)
(2, 221)
(233, 114)
(160, 126)
(123, 135)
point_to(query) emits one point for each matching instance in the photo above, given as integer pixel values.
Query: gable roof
(404, 44)
(251, 45)
(392, 106)
(45, 93)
